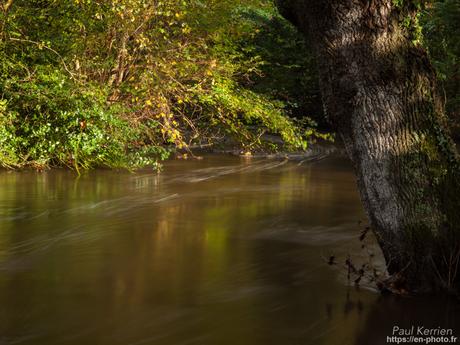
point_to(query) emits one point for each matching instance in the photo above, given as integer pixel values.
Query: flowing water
(225, 250)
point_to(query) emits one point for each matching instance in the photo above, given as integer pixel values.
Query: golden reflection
(180, 268)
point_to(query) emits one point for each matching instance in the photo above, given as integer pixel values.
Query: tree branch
(72, 75)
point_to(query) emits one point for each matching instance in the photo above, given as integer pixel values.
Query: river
(221, 251)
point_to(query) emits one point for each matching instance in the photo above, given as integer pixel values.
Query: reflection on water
(219, 251)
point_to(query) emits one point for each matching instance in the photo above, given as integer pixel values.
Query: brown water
(214, 252)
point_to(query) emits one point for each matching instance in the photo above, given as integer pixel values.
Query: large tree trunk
(378, 90)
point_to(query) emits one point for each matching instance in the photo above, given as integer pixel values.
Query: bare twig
(39, 44)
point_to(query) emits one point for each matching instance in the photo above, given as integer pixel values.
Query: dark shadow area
(390, 311)
(290, 73)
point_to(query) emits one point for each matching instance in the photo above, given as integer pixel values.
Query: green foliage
(90, 83)
(441, 24)
(53, 113)
(50, 121)
(410, 13)
(435, 24)
(287, 71)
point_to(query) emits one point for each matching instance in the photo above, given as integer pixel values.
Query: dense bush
(109, 83)
(51, 121)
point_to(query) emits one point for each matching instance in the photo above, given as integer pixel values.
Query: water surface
(221, 251)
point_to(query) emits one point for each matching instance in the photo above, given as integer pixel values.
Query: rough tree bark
(378, 90)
